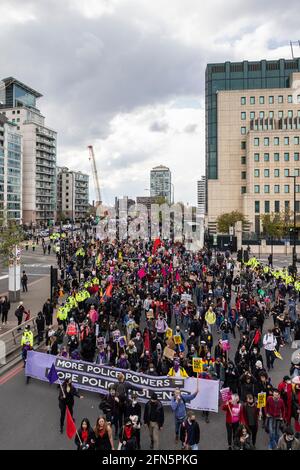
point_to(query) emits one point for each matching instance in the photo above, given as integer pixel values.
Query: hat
(20, 303)
(259, 364)
(286, 377)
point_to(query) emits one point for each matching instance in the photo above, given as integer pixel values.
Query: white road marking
(4, 277)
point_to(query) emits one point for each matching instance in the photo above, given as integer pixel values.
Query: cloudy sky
(127, 76)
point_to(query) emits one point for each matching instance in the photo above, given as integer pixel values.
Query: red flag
(109, 290)
(256, 337)
(177, 277)
(71, 428)
(157, 243)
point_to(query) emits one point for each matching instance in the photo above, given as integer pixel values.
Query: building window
(261, 114)
(290, 98)
(256, 141)
(266, 141)
(243, 100)
(286, 157)
(271, 99)
(297, 188)
(286, 188)
(252, 115)
(266, 173)
(243, 190)
(276, 172)
(287, 206)
(297, 206)
(243, 130)
(243, 145)
(280, 99)
(243, 160)
(290, 114)
(256, 189)
(266, 157)
(286, 172)
(267, 207)
(271, 114)
(243, 116)
(276, 140)
(276, 157)
(243, 175)
(261, 100)
(256, 173)
(277, 206)
(266, 188)
(252, 99)
(276, 188)
(256, 157)
(296, 172)
(296, 140)
(256, 206)
(280, 114)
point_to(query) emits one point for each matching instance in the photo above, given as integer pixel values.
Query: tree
(274, 225)
(229, 219)
(11, 235)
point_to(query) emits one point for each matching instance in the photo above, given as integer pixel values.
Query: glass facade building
(160, 183)
(244, 75)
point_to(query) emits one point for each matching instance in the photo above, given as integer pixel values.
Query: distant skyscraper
(72, 193)
(160, 183)
(201, 190)
(18, 103)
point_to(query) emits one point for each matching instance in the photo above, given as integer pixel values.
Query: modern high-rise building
(18, 103)
(72, 194)
(252, 138)
(10, 172)
(201, 190)
(160, 183)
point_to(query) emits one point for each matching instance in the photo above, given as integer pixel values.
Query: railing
(11, 341)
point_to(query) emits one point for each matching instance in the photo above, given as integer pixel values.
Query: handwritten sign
(261, 400)
(177, 339)
(197, 365)
(226, 394)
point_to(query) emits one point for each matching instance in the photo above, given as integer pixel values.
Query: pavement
(37, 267)
(35, 406)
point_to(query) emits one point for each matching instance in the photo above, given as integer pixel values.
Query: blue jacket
(179, 408)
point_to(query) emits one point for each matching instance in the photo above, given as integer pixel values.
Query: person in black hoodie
(40, 324)
(246, 386)
(66, 399)
(133, 411)
(4, 309)
(85, 437)
(154, 419)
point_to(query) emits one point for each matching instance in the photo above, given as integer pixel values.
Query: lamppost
(294, 227)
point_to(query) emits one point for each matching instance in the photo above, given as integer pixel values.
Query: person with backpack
(190, 432)
(178, 405)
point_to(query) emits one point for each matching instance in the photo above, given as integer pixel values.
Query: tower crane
(95, 176)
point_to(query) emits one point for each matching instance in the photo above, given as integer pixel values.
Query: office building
(72, 194)
(201, 185)
(160, 183)
(18, 103)
(10, 172)
(252, 138)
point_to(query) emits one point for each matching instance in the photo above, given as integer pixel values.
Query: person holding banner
(178, 405)
(66, 396)
(233, 417)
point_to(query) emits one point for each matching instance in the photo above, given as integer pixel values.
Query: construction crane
(95, 176)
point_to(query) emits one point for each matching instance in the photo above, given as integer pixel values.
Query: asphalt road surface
(30, 414)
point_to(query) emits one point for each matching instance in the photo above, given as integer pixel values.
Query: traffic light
(246, 256)
(240, 255)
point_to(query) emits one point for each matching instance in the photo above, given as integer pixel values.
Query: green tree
(11, 235)
(274, 225)
(229, 219)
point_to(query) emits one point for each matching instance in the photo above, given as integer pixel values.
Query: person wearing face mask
(154, 418)
(190, 432)
(207, 337)
(133, 411)
(288, 441)
(250, 415)
(139, 344)
(178, 405)
(270, 343)
(110, 405)
(242, 440)
(254, 357)
(177, 370)
(286, 392)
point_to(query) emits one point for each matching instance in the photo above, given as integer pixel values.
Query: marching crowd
(152, 307)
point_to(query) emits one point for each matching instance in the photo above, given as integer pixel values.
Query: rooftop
(161, 167)
(11, 80)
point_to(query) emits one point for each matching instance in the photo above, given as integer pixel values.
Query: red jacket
(275, 409)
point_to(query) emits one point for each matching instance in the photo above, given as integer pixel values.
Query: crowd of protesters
(123, 303)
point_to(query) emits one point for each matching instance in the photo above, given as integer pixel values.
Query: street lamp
(294, 229)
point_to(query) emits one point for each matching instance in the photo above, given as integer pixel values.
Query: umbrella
(296, 357)
(296, 380)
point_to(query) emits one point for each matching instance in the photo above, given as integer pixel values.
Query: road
(31, 414)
